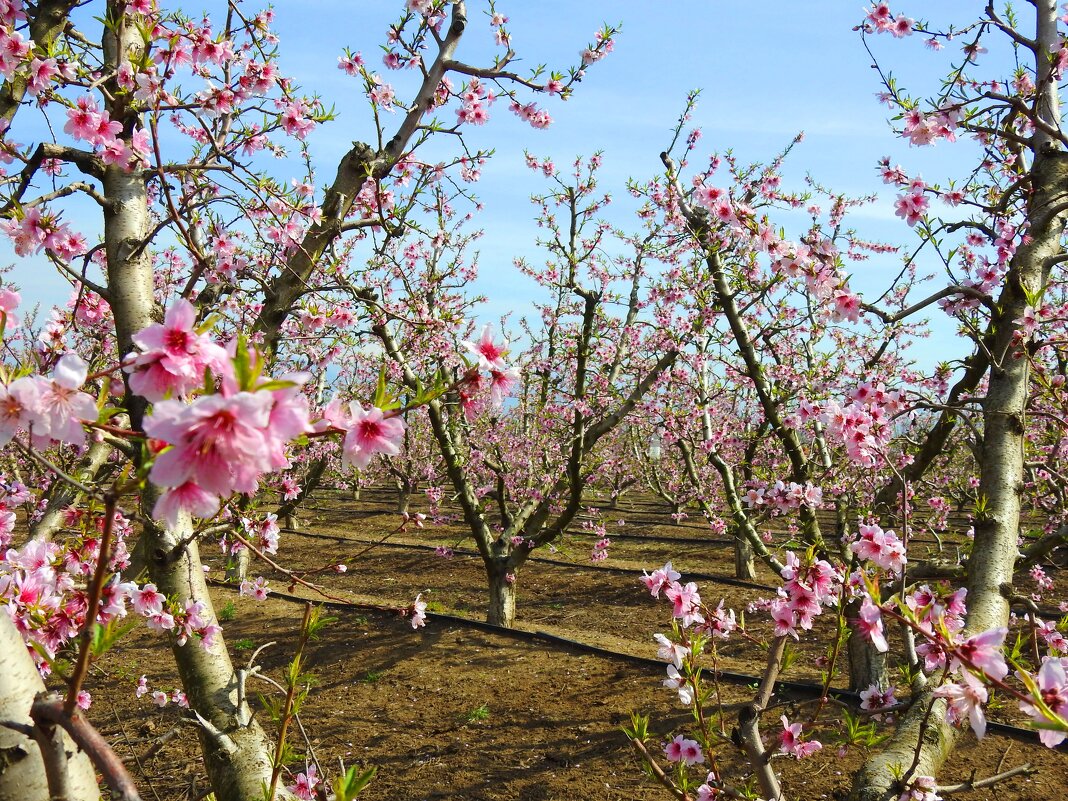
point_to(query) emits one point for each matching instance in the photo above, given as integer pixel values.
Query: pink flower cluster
(864, 425)
(87, 122)
(926, 129)
(884, 548)
(50, 410)
(367, 432)
(807, 590)
(538, 118)
(502, 378)
(884, 21)
(475, 102)
(791, 741)
(39, 230)
(782, 497)
(913, 205)
(684, 750)
(216, 444)
(172, 356)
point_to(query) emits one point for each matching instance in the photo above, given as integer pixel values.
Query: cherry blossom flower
(369, 432)
(678, 682)
(683, 750)
(147, 600)
(921, 788)
(660, 579)
(874, 698)
(670, 651)
(418, 611)
(490, 354)
(173, 356)
(306, 784)
(791, 743)
(966, 701)
(881, 547)
(1052, 686)
(870, 625)
(256, 589)
(687, 603)
(984, 652)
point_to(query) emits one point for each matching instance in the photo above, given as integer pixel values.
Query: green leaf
(352, 783)
(103, 638)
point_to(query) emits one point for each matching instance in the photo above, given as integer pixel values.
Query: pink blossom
(189, 497)
(670, 651)
(881, 547)
(983, 651)
(1051, 685)
(418, 611)
(921, 788)
(965, 701)
(173, 356)
(306, 784)
(218, 441)
(683, 750)
(678, 682)
(147, 600)
(791, 742)
(660, 579)
(369, 432)
(256, 589)
(687, 602)
(490, 354)
(870, 625)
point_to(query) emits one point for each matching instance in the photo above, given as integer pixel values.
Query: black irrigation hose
(679, 539)
(715, 578)
(804, 689)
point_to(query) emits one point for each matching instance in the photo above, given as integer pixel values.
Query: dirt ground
(452, 711)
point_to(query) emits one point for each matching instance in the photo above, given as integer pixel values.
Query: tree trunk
(63, 495)
(237, 567)
(404, 497)
(744, 560)
(22, 771)
(236, 750)
(876, 780)
(993, 554)
(290, 521)
(502, 591)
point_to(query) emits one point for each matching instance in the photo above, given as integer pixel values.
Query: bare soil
(454, 711)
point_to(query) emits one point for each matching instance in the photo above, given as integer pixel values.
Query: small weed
(478, 714)
(244, 645)
(371, 676)
(227, 613)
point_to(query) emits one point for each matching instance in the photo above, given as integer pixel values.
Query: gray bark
(236, 750)
(744, 558)
(1001, 454)
(501, 608)
(237, 567)
(64, 495)
(22, 771)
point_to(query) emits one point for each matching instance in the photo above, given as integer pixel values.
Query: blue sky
(767, 71)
